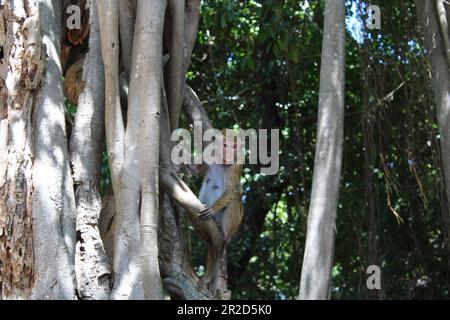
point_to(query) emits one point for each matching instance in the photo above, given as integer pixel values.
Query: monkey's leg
(231, 219)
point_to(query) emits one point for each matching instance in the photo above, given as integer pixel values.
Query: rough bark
(92, 267)
(16, 148)
(319, 248)
(178, 274)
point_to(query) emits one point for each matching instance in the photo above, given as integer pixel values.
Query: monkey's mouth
(229, 160)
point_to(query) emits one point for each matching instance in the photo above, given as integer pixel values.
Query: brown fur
(228, 213)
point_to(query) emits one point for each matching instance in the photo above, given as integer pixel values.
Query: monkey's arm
(225, 199)
(232, 191)
(175, 187)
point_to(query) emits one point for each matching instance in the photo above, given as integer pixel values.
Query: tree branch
(190, 29)
(108, 11)
(444, 29)
(194, 108)
(92, 267)
(127, 19)
(176, 72)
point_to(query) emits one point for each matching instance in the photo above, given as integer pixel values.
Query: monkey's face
(230, 151)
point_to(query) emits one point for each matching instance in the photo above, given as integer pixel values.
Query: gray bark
(134, 151)
(176, 282)
(127, 18)
(16, 147)
(134, 147)
(92, 266)
(53, 199)
(37, 133)
(319, 248)
(178, 274)
(190, 29)
(142, 136)
(176, 72)
(436, 50)
(194, 109)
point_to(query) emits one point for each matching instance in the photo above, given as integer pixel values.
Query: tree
(319, 248)
(86, 144)
(255, 64)
(433, 19)
(122, 82)
(37, 249)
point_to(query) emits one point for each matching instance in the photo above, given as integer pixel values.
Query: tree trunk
(37, 207)
(434, 35)
(86, 145)
(319, 248)
(50, 242)
(16, 152)
(133, 148)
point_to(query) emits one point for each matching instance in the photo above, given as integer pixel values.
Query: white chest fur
(213, 185)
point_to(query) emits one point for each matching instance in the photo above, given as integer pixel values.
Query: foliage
(256, 64)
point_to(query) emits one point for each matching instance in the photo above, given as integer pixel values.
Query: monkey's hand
(205, 214)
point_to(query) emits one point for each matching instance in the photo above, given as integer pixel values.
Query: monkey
(74, 47)
(221, 191)
(77, 36)
(73, 83)
(75, 42)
